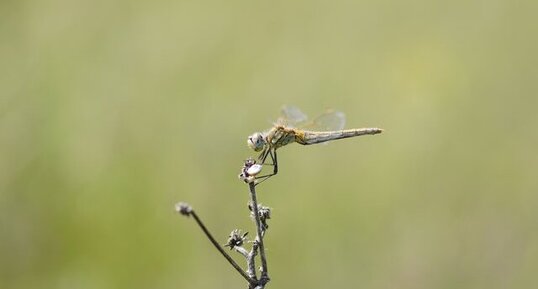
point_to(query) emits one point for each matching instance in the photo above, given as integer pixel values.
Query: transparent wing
(328, 121)
(291, 116)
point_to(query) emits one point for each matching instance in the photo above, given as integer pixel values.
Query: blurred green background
(112, 111)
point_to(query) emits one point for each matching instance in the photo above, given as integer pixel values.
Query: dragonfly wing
(328, 121)
(291, 116)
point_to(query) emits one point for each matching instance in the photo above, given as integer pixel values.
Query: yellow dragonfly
(293, 126)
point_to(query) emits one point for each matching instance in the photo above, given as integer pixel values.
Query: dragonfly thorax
(256, 141)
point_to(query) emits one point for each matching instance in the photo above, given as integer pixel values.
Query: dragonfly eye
(255, 142)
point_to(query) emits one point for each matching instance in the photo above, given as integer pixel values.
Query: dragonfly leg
(272, 154)
(274, 163)
(264, 155)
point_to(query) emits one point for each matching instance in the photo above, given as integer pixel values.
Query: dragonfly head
(256, 141)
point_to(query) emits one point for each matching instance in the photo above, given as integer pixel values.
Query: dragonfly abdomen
(314, 137)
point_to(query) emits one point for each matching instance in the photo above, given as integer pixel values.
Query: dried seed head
(236, 239)
(254, 170)
(264, 213)
(249, 170)
(183, 208)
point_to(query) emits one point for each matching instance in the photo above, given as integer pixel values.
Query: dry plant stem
(221, 250)
(249, 256)
(264, 277)
(251, 263)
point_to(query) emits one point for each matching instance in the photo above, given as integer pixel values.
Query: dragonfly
(293, 126)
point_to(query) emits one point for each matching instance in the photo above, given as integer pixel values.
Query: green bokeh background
(112, 111)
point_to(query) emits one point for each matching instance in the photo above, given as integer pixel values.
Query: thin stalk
(221, 250)
(264, 276)
(251, 261)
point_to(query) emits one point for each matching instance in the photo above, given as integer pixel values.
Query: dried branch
(187, 210)
(264, 278)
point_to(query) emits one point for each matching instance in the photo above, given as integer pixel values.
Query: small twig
(187, 210)
(242, 251)
(264, 278)
(251, 260)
